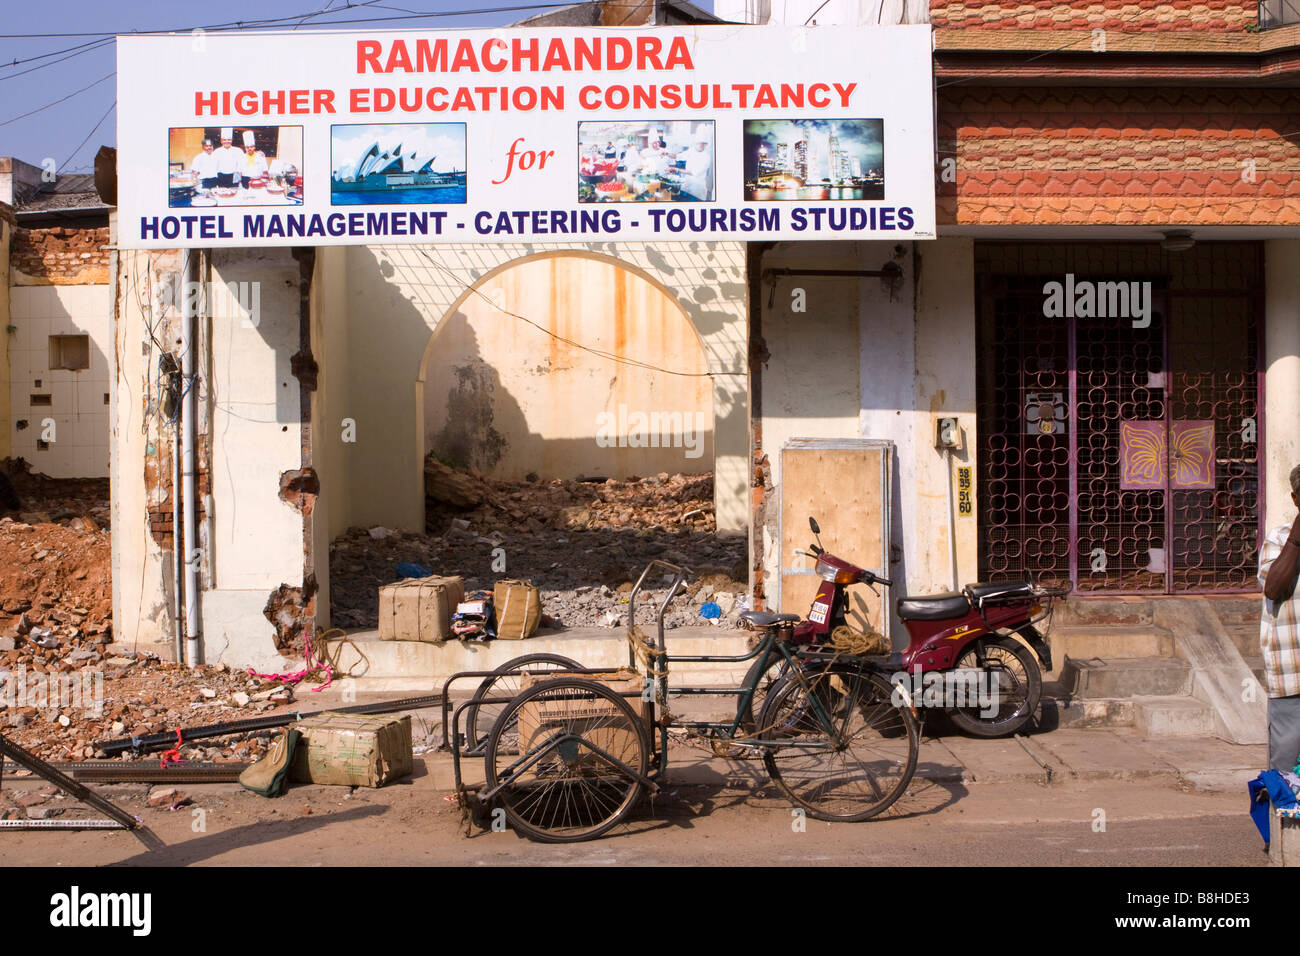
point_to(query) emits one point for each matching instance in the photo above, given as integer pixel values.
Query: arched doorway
(566, 365)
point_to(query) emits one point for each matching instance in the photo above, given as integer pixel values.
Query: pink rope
(290, 679)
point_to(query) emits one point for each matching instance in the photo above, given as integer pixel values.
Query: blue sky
(76, 69)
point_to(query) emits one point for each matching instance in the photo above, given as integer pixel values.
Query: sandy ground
(726, 815)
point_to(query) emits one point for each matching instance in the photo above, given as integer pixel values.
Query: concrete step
(1108, 642)
(1245, 636)
(1173, 717)
(1080, 713)
(1256, 664)
(377, 665)
(1104, 611)
(1097, 679)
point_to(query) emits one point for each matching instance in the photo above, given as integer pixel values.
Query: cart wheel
(868, 746)
(504, 683)
(557, 788)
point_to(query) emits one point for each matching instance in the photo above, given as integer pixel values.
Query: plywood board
(845, 486)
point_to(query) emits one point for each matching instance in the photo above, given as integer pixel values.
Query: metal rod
(65, 783)
(153, 741)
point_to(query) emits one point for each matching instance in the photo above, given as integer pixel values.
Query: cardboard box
(419, 609)
(351, 750)
(589, 718)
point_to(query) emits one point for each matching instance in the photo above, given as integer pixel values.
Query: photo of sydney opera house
(397, 163)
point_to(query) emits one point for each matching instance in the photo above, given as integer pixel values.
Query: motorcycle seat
(999, 590)
(933, 607)
(767, 618)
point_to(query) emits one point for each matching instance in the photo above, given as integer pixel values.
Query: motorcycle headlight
(828, 572)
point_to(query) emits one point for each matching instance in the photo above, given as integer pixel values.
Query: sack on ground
(267, 777)
(519, 609)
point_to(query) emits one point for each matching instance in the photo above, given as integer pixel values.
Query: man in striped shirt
(1279, 636)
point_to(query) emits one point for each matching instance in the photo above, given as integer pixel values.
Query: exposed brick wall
(1108, 156)
(1122, 15)
(60, 252)
(158, 477)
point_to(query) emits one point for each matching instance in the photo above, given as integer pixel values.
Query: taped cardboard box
(419, 609)
(595, 719)
(351, 750)
(519, 609)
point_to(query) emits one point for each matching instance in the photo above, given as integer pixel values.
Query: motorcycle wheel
(1020, 686)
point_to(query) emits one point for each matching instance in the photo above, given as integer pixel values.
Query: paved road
(735, 819)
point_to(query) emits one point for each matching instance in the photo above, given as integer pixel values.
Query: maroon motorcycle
(962, 656)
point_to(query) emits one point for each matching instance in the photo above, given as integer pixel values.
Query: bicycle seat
(768, 618)
(933, 607)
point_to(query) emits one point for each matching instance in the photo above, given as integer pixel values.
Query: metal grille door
(1120, 455)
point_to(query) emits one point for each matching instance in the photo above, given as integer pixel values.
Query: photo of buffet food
(235, 166)
(647, 161)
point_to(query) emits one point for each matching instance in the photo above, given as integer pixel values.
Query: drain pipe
(189, 298)
(178, 547)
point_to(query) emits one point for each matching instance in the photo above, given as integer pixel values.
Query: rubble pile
(582, 542)
(63, 684)
(55, 566)
(61, 708)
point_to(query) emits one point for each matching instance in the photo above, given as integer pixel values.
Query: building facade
(1089, 378)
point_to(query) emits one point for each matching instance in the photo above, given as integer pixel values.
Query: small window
(106, 398)
(70, 352)
(38, 399)
(36, 384)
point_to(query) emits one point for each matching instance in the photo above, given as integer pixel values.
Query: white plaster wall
(545, 396)
(864, 363)
(254, 406)
(78, 409)
(393, 298)
(141, 570)
(6, 420)
(1282, 376)
(945, 387)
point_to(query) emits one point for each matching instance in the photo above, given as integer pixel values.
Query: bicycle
(569, 755)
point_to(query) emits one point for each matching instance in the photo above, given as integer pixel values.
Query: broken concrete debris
(582, 542)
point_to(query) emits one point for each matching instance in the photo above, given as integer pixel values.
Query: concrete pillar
(6, 419)
(1281, 376)
(945, 387)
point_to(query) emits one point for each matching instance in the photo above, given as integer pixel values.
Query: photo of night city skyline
(803, 159)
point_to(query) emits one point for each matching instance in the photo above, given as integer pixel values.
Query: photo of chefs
(647, 161)
(235, 166)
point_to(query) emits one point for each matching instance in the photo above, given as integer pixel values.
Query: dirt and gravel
(582, 542)
(63, 684)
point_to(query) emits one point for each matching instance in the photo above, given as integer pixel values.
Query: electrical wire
(58, 101)
(73, 154)
(609, 356)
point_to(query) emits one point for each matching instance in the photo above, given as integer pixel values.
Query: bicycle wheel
(479, 718)
(1019, 687)
(858, 750)
(558, 787)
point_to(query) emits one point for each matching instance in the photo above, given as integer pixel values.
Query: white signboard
(655, 134)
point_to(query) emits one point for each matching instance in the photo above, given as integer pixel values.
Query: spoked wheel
(851, 754)
(546, 748)
(1011, 675)
(763, 675)
(479, 718)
